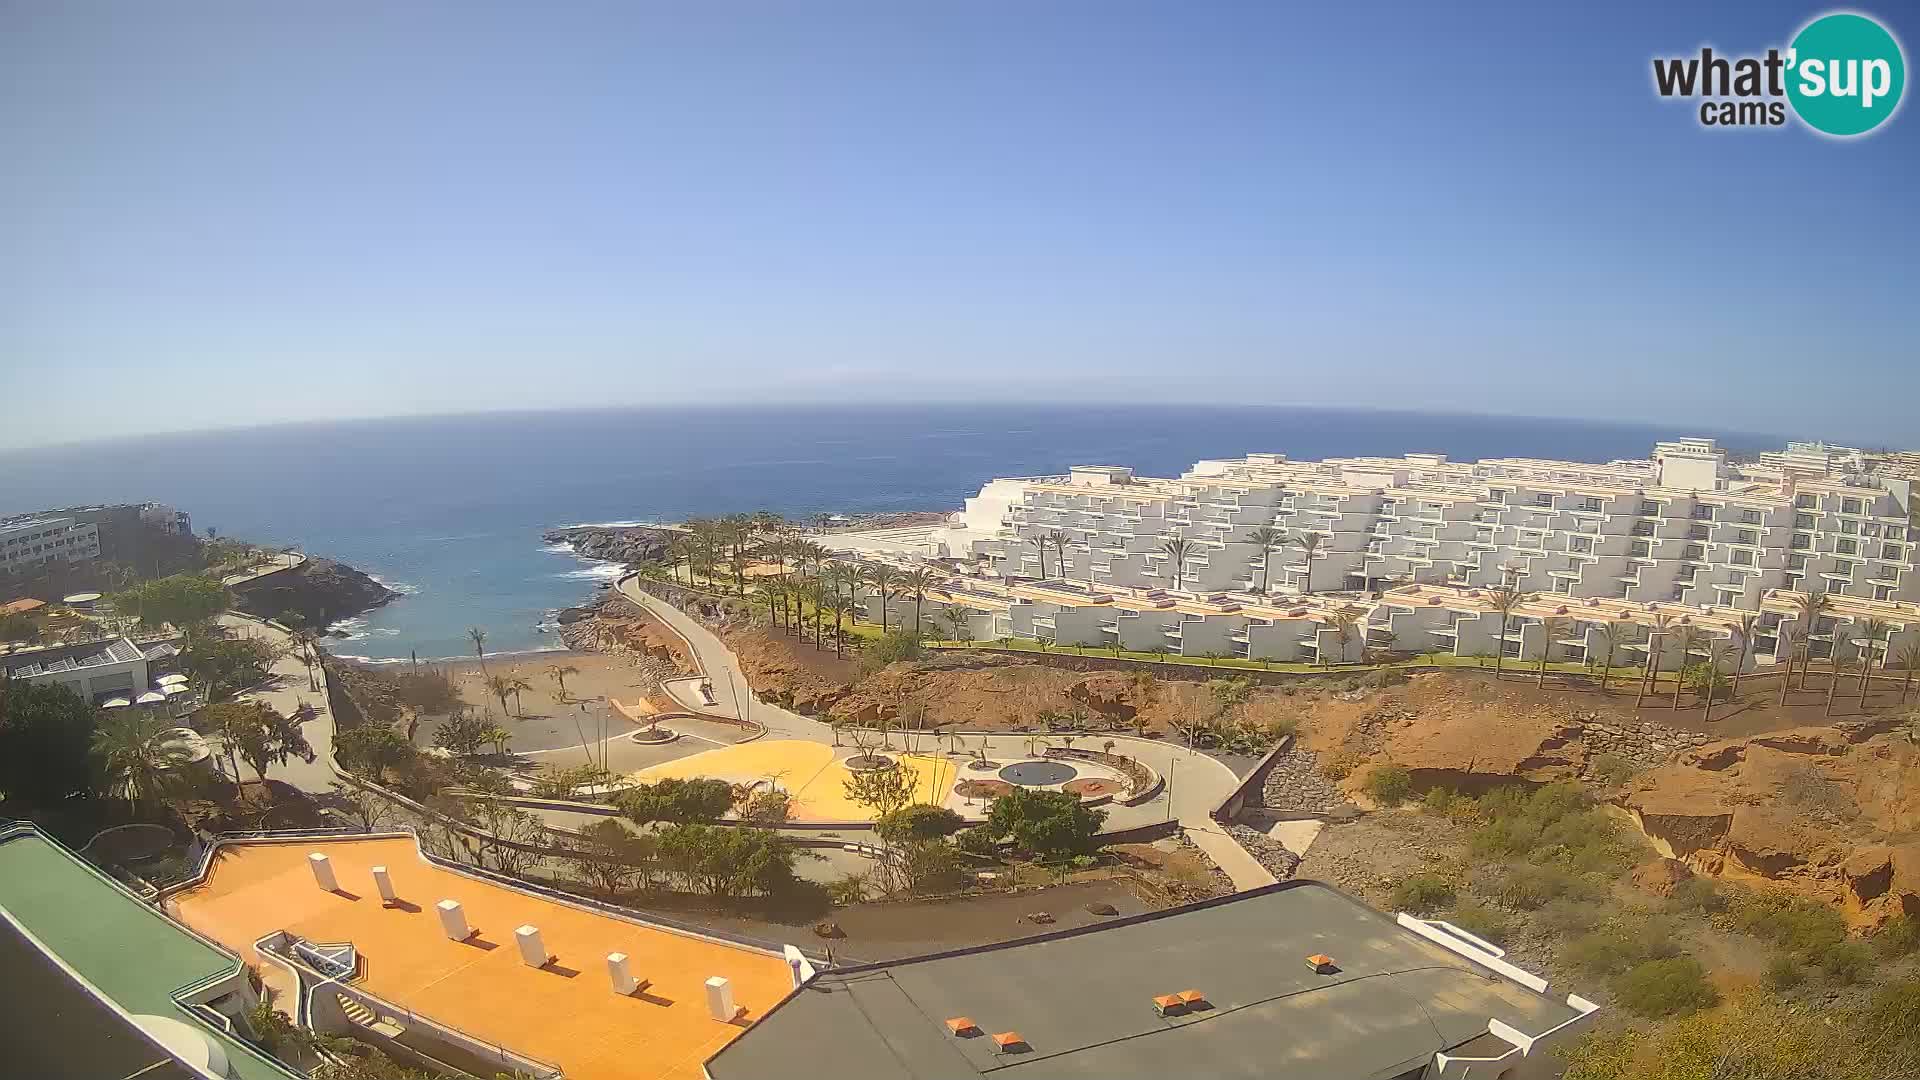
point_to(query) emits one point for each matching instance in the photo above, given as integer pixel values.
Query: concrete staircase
(361, 1015)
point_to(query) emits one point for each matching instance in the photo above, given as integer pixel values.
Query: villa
(1407, 549)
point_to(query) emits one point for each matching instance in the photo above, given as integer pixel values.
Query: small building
(1295, 981)
(91, 670)
(29, 542)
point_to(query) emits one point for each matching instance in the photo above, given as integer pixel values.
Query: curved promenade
(1195, 783)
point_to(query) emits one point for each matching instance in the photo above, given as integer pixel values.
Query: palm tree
(1684, 639)
(502, 688)
(1796, 639)
(1550, 628)
(1040, 544)
(1308, 543)
(1059, 538)
(881, 577)
(955, 617)
(1267, 538)
(1176, 548)
(1909, 657)
(1811, 606)
(1875, 633)
(838, 608)
(1745, 632)
(1656, 636)
(918, 582)
(1613, 634)
(479, 638)
(137, 759)
(1504, 599)
(558, 673)
(775, 594)
(1716, 655)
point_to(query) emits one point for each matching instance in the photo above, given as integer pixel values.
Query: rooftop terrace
(565, 1013)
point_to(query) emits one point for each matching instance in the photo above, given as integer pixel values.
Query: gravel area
(1265, 850)
(1296, 783)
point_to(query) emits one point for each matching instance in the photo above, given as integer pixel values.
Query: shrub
(768, 806)
(1899, 936)
(1846, 963)
(1341, 764)
(1788, 921)
(920, 821)
(1620, 946)
(1043, 822)
(1658, 989)
(1528, 887)
(1612, 769)
(676, 800)
(1389, 784)
(1481, 921)
(1697, 894)
(1784, 973)
(1421, 894)
(1567, 916)
(1438, 802)
(894, 646)
(1386, 677)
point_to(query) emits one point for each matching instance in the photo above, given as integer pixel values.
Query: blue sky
(238, 213)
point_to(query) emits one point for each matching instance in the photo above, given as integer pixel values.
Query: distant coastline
(451, 510)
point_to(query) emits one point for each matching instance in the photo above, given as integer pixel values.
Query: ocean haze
(451, 509)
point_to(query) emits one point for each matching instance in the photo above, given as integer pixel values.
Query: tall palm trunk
(1646, 677)
(1786, 680)
(1706, 711)
(1500, 647)
(1833, 679)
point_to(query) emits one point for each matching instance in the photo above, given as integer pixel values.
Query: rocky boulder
(1661, 876)
(630, 544)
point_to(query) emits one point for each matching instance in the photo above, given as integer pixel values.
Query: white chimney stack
(453, 920)
(383, 882)
(323, 872)
(720, 999)
(533, 952)
(620, 974)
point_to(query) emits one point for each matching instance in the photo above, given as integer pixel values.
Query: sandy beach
(542, 718)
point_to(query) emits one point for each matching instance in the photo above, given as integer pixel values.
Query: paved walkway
(1196, 783)
(286, 690)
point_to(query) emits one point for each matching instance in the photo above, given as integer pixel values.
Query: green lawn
(1439, 660)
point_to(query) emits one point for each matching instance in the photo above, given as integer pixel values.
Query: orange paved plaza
(566, 1014)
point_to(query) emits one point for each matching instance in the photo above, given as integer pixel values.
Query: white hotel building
(27, 543)
(1412, 544)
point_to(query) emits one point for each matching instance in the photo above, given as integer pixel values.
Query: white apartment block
(28, 543)
(1684, 534)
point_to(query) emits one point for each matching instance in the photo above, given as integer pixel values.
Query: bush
(1658, 989)
(1787, 921)
(1439, 802)
(1846, 963)
(1043, 823)
(1899, 936)
(676, 800)
(1620, 946)
(1421, 894)
(767, 806)
(1612, 769)
(921, 821)
(1481, 921)
(1341, 764)
(1389, 784)
(1567, 917)
(894, 646)
(1784, 973)
(1697, 894)
(1528, 887)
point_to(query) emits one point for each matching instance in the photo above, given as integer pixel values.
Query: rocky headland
(629, 544)
(322, 591)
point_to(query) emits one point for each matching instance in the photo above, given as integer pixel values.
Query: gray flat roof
(1083, 1001)
(72, 657)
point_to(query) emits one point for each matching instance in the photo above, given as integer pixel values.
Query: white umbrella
(169, 680)
(177, 688)
(115, 703)
(151, 698)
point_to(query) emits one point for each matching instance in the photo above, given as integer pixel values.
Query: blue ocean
(449, 510)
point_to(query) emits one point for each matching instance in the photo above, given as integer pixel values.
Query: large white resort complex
(1315, 561)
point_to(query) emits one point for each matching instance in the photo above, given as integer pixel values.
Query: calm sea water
(450, 510)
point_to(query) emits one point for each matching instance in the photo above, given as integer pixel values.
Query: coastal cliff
(321, 590)
(622, 544)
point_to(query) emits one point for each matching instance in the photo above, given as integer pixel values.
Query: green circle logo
(1845, 74)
